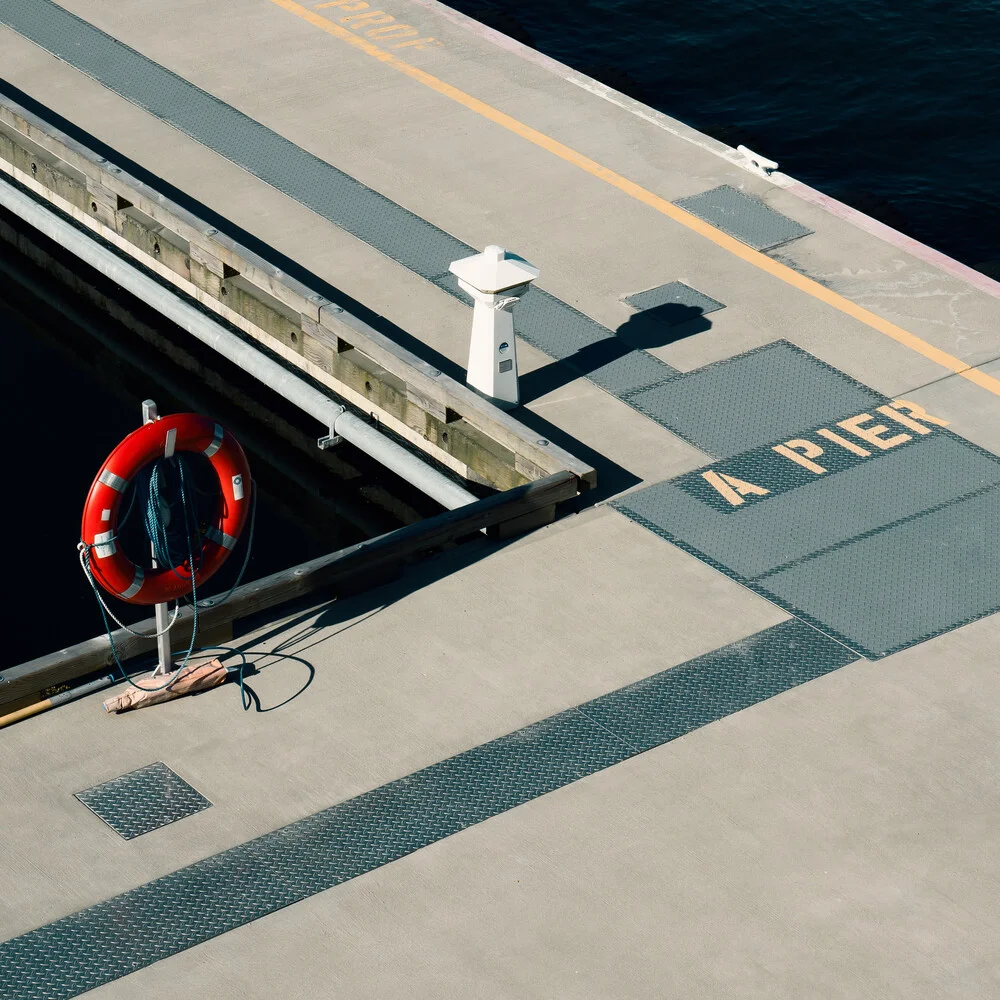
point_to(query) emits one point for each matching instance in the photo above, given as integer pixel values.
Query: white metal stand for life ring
(166, 663)
(495, 282)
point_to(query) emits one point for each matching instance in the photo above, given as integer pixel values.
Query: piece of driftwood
(150, 690)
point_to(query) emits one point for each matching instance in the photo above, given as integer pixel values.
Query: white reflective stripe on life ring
(221, 538)
(136, 584)
(104, 544)
(216, 442)
(115, 482)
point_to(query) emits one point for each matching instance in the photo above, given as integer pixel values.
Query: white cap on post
(495, 282)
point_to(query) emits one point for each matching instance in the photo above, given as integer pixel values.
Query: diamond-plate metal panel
(633, 370)
(82, 951)
(555, 328)
(143, 800)
(227, 890)
(902, 584)
(881, 551)
(672, 703)
(780, 528)
(744, 217)
(755, 398)
(674, 293)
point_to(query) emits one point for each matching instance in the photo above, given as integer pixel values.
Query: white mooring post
(165, 664)
(495, 282)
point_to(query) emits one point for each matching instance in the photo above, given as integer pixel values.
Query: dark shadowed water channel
(72, 381)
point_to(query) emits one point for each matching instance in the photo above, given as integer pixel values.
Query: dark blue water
(892, 107)
(72, 381)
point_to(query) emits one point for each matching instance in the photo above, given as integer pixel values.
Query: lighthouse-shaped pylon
(495, 281)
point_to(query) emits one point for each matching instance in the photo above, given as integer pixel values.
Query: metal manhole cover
(744, 217)
(687, 302)
(143, 800)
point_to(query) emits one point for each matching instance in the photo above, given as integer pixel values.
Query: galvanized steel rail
(338, 420)
(409, 396)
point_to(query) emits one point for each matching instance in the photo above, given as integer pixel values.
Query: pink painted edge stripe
(836, 208)
(889, 235)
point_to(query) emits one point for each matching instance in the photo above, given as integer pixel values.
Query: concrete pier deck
(728, 730)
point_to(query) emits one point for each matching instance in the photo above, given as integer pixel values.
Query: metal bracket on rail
(332, 439)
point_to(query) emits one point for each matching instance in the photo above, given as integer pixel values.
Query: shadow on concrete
(644, 331)
(361, 607)
(662, 325)
(320, 617)
(251, 698)
(612, 478)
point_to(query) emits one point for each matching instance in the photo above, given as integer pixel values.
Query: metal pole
(333, 415)
(165, 661)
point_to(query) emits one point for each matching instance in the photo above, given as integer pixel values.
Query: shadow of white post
(495, 281)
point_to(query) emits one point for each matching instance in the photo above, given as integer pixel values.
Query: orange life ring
(180, 432)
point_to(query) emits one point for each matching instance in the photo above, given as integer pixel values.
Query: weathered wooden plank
(207, 259)
(501, 426)
(342, 570)
(209, 251)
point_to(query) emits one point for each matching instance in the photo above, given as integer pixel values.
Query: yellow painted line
(633, 190)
